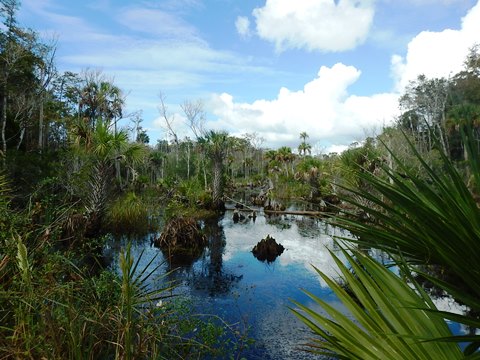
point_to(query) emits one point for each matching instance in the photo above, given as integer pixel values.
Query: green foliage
(433, 220)
(358, 160)
(128, 215)
(385, 318)
(417, 220)
(135, 294)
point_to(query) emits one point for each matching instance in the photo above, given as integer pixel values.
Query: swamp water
(227, 281)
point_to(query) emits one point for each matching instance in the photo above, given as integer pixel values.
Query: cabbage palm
(284, 155)
(215, 145)
(105, 150)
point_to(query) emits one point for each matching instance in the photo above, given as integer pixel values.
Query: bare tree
(167, 117)
(195, 114)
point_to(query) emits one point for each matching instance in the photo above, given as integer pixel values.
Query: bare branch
(195, 115)
(163, 110)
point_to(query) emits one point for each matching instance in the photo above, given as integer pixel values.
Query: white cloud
(155, 22)
(438, 54)
(323, 108)
(325, 25)
(242, 25)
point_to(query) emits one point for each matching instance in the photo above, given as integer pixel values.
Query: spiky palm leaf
(433, 220)
(385, 319)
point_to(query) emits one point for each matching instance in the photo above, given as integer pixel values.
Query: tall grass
(128, 214)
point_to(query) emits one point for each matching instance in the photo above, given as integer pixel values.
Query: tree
(105, 151)
(45, 73)
(304, 147)
(195, 114)
(285, 156)
(143, 137)
(427, 100)
(18, 59)
(215, 144)
(309, 171)
(100, 99)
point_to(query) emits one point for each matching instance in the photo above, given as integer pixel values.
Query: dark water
(228, 281)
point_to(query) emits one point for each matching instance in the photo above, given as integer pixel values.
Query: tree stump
(267, 249)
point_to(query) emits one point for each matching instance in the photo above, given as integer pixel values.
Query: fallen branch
(282, 212)
(237, 202)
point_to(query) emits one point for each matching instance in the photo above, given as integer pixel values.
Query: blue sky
(276, 68)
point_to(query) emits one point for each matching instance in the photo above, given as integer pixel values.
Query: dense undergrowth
(59, 301)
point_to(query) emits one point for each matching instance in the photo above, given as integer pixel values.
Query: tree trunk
(40, 124)
(22, 135)
(188, 161)
(3, 121)
(218, 183)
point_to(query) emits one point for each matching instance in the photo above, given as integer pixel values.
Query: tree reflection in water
(205, 272)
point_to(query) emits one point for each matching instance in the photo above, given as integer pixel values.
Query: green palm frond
(433, 220)
(386, 318)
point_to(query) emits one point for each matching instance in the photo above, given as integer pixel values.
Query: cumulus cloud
(242, 25)
(323, 108)
(325, 25)
(437, 54)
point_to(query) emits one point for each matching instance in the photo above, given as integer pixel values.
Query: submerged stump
(182, 240)
(267, 249)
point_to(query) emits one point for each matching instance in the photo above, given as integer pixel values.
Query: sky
(274, 68)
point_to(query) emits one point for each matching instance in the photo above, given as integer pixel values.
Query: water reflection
(211, 276)
(228, 281)
(307, 241)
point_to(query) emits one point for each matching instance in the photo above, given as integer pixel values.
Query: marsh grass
(129, 214)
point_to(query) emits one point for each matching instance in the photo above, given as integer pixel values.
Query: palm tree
(215, 145)
(104, 150)
(303, 136)
(100, 99)
(285, 156)
(304, 147)
(309, 171)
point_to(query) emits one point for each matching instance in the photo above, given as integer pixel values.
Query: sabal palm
(285, 156)
(102, 100)
(107, 149)
(304, 148)
(215, 145)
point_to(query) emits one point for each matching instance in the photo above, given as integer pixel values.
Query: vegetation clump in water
(182, 238)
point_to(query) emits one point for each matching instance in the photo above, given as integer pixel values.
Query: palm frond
(433, 220)
(386, 318)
